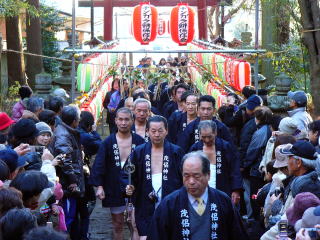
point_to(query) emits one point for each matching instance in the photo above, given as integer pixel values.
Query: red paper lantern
(145, 23)
(182, 24)
(161, 27)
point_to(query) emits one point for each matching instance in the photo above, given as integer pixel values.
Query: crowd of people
(173, 166)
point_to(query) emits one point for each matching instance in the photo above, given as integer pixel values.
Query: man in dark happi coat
(107, 172)
(179, 120)
(224, 161)
(157, 173)
(142, 111)
(206, 112)
(177, 104)
(196, 211)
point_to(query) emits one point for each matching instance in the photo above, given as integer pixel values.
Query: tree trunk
(16, 67)
(34, 45)
(310, 17)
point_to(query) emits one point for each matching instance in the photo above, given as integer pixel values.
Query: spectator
(9, 198)
(44, 135)
(280, 163)
(25, 132)
(60, 92)
(34, 106)
(314, 134)
(55, 104)
(238, 119)
(31, 184)
(42, 233)
(255, 152)
(11, 160)
(115, 100)
(298, 104)
(302, 163)
(67, 141)
(19, 107)
(5, 126)
(162, 63)
(16, 223)
(247, 92)
(90, 139)
(110, 115)
(49, 117)
(91, 142)
(310, 218)
(4, 171)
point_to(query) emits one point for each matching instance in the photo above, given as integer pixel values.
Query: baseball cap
(253, 102)
(289, 126)
(60, 92)
(310, 218)
(300, 97)
(302, 149)
(5, 121)
(10, 157)
(281, 159)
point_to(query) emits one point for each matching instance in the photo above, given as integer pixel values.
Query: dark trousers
(76, 217)
(255, 184)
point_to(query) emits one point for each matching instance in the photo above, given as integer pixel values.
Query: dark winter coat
(66, 140)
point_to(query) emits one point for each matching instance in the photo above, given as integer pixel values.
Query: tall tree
(16, 66)
(11, 10)
(34, 44)
(310, 18)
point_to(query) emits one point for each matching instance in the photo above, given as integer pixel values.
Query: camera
(37, 148)
(283, 230)
(313, 233)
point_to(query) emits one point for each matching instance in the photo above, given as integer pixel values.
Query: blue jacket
(169, 108)
(171, 218)
(177, 124)
(256, 150)
(90, 142)
(106, 171)
(228, 177)
(141, 179)
(245, 138)
(191, 135)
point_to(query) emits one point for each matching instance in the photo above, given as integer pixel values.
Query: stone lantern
(43, 84)
(279, 102)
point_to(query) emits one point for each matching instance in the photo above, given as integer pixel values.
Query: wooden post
(108, 20)
(202, 20)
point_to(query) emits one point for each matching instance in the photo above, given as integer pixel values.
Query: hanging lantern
(145, 23)
(161, 27)
(182, 24)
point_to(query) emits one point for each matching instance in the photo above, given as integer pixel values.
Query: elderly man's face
(293, 166)
(193, 179)
(142, 112)
(207, 136)
(124, 122)
(157, 132)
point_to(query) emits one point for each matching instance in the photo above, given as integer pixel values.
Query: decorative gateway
(161, 27)
(182, 24)
(145, 23)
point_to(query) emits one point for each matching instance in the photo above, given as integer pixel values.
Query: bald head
(196, 173)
